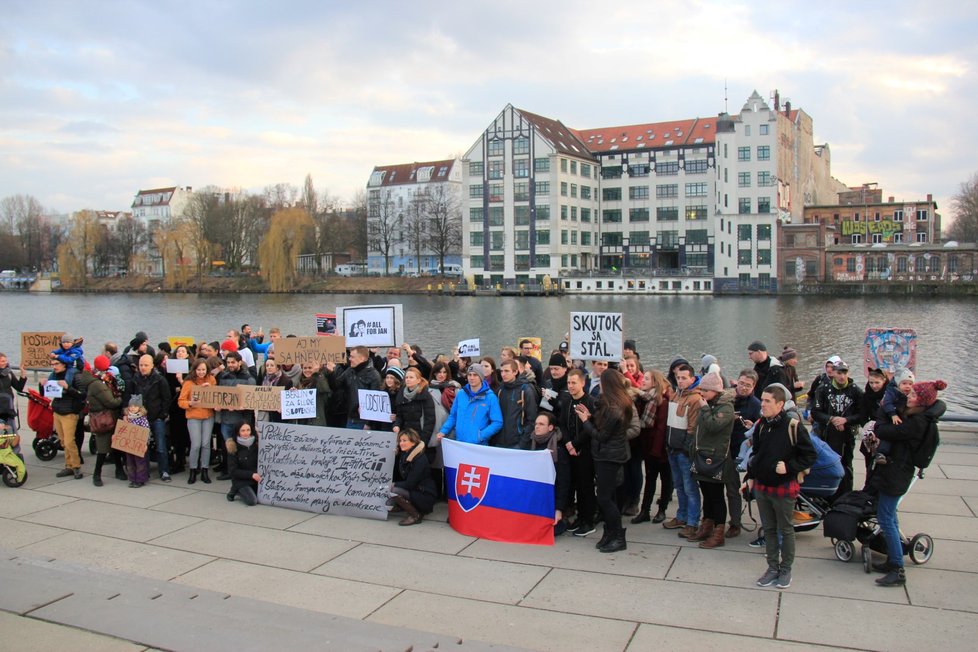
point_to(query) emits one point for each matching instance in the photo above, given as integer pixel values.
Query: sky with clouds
(99, 99)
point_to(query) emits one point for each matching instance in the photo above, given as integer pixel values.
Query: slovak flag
(500, 494)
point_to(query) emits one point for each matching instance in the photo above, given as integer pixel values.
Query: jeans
(355, 424)
(200, 442)
(777, 520)
(158, 428)
(886, 514)
(229, 430)
(687, 491)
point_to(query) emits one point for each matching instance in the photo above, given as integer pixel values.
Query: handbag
(707, 463)
(102, 422)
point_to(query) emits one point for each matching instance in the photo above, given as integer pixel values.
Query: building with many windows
(861, 216)
(414, 214)
(160, 205)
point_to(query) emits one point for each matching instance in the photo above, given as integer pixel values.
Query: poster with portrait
(371, 326)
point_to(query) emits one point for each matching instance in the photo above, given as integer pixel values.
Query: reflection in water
(664, 327)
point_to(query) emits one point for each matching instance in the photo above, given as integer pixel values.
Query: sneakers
(64, 473)
(896, 577)
(642, 517)
(759, 542)
(659, 516)
(687, 531)
(582, 529)
(165, 477)
(770, 577)
(784, 579)
(673, 524)
(78, 474)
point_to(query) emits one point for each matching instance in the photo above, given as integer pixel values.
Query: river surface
(664, 327)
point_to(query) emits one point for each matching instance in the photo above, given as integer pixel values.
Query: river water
(663, 327)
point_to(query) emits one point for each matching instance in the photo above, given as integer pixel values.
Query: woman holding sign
(200, 421)
(414, 408)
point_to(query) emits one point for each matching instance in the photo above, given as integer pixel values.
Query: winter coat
(749, 409)
(681, 420)
(772, 444)
(99, 395)
(183, 401)
(320, 383)
(894, 477)
(769, 372)
(608, 440)
(871, 403)
(155, 393)
(714, 425)
(353, 379)
(72, 399)
(229, 378)
(832, 401)
(518, 403)
(652, 439)
(416, 478)
(242, 462)
(438, 399)
(9, 381)
(571, 427)
(475, 416)
(417, 413)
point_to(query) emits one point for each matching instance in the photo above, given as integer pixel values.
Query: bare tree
(23, 215)
(131, 237)
(444, 212)
(383, 222)
(965, 206)
(416, 226)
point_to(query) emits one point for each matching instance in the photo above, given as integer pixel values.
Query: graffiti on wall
(885, 227)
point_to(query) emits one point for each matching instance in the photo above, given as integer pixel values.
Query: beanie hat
(756, 345)
(706, 361)
(102, 363)
(557, 360)
(229, 345)
(67, 338)
(927, 392)
(711, 382)
(903, 374)
(397, 372)
(137, 342)
(476, 368)
(629, 344)
(788, 354)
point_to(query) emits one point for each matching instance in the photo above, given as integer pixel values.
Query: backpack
(793, 438)
(923, 454)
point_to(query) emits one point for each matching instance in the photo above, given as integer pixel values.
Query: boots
(660, 515)
(642, 517)
(687, 531)
(617, 542)
(715, 540)
(896, 577)
(606, 536)
(192, 476)
(204, 476)
(413, 515)
(704, 532)
(97, 474)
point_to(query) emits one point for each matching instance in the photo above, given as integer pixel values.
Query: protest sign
(596, 335)
(52, 389)
(215, 396)
(469, 348)
(320, 350)
(325, 324)
(890, 349)
(265, 398)
(371, 326)
(325, 470)
(375, 405)
(36, 347)
(130, 438)
(298, 404)
(180, 340)
(174, 366)
(537, 347)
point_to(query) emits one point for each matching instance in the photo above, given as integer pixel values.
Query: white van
(452, 270)
(352, 269)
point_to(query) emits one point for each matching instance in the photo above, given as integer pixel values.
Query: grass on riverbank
(243, 284)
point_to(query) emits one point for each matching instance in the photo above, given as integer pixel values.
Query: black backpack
(923, 454)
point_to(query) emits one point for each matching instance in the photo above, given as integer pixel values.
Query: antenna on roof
(724, 94)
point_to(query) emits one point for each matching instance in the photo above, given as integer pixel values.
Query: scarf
(548, 441)
(270, 381)
(245, 441)
(647, 418)
(410, 394)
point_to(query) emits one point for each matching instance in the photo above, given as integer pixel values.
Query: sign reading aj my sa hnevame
(596, 335)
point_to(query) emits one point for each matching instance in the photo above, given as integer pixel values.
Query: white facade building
(160, 205)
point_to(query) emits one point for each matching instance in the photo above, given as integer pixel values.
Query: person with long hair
(609, 447)
(415, 491)
(200, 421)
(492, 372)
(243, 464)
(652, 404)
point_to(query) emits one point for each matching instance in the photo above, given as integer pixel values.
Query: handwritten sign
(370, 326)
(52, 389)
(36, 347)
(325, 470)
(215, 396)
(174, 366)
(319, 350)
(537, 347)
(375, 405)
(596, 335)
(130, 438)
(325, 324)
(469, 348)
(298, 404)
(264, 398)
(180, 340)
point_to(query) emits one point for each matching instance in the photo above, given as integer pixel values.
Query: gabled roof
(155, 191)
(405, 173)
(148, 197)
(676, 133)
(564, 139)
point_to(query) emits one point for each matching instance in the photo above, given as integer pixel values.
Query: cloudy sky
(99, 99)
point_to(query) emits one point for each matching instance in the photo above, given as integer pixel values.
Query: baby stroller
(853, 518)
(819, 486)
(12, 467)
(40, 419)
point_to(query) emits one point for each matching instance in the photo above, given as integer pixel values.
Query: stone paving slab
(941, 589)
(640, 560)
(934, 484)
(959, 472)
(16, 534)
(257, 545)
(117, 492)
(430, 535)
(39, 636)
(935, 504)
(40, 474)
(111, 520)
(951, 555)
(534, 629)
(20, 503)
(203, 504)
(874, 625)
(658, 637)
(118, 555)
(947, 527)
(303, 590)
(493, 581)
(739, 611)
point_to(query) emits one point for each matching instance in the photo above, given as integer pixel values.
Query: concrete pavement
(305, 580)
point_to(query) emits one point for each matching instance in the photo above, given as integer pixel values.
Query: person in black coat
(414, 408)
(243, 465)
(415, 493)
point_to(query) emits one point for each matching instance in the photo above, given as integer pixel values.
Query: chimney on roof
(930, 197)
(777, 100)
(891, 199)
(787, 108)
(190, 189)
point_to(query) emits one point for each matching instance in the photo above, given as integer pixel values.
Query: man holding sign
(67, 413)
(360, 374)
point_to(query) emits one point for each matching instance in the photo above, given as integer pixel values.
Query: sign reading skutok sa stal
(596, 335)
(371, 326)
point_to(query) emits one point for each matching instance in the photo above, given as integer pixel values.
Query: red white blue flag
(500, 494)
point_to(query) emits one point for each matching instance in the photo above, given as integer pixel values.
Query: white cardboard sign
(299, 404)
(469, 348)
(596, 335)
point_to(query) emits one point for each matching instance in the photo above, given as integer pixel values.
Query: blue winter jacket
(475, 416)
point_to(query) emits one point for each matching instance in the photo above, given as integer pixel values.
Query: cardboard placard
(469, 348)
(130, 438)
(537, 347)
(52, 389)
(174, 366)
(216, 396)
(890, 349)
(596, 335)
(264, 398)
(298, 404)
(375, 405)
(325, 324)
(371, 326)
(36, 347)
(325, 470)
(180, 340)
(321, 350)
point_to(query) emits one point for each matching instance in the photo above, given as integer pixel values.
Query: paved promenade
(172, 566)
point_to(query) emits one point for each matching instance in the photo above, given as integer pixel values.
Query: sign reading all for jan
(596, 335)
